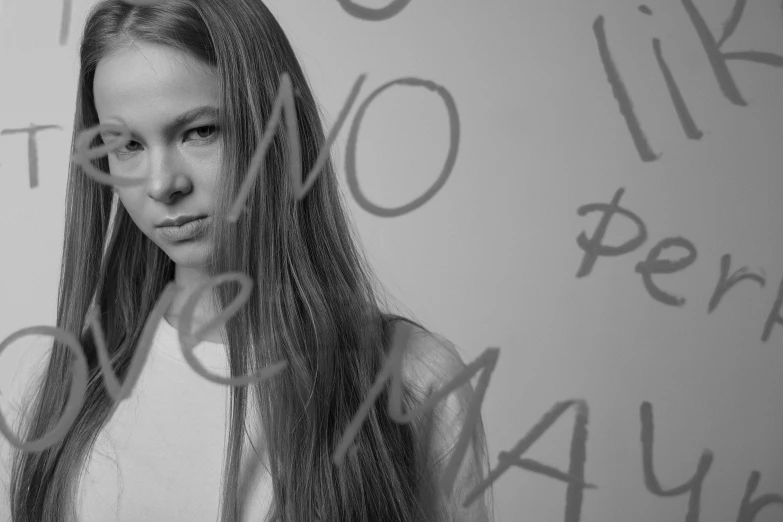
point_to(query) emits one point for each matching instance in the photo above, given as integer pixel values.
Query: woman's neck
(188, 280)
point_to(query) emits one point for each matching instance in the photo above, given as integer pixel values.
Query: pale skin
(147, 87)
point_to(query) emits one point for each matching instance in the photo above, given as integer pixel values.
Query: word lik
(718, 61)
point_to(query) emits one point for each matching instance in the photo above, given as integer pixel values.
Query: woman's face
(169, 101)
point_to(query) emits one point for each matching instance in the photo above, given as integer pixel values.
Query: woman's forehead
(138, 81)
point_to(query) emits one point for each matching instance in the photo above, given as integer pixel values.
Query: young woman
(195, 81)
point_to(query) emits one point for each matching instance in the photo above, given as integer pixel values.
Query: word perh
(653, 264)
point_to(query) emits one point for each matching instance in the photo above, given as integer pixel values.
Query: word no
(283, 101)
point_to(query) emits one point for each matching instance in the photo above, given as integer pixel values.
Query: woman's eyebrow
(177, 123)
(186, 117)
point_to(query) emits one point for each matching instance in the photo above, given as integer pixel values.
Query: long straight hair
(315, 303)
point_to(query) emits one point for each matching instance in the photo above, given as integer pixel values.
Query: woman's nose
(168, 178)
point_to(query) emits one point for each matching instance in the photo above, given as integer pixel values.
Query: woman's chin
(187, 254)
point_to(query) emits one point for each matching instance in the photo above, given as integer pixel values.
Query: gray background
(492, 259)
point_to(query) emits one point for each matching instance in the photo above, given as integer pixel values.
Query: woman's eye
(202, 133)
(205, 131)
(127, 148)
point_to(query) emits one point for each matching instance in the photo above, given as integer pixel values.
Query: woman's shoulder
(429, 359)
(430, 364)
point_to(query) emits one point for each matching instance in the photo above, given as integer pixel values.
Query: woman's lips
(189, 230)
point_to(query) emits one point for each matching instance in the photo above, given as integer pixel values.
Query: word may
(653, 264)
(575, 477)
(717, 60)
(358, 11)
(283, 101)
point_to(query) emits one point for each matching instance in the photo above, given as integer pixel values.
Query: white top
(161, 455)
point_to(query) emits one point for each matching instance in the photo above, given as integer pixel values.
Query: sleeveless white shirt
(160, 457)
